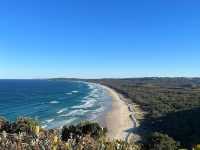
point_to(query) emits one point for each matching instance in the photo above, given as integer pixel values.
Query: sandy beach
(120, 119)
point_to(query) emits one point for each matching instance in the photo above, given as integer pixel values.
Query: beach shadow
(133, 134)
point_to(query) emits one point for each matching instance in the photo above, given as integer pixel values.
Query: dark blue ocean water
(54, 103)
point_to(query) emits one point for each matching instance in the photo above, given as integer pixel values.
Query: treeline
(173, 104)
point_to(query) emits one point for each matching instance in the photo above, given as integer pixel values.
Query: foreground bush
(21, 125)
(4, 125)
(159, 141)
(105, 144)
(25, 134)
(24, 124)
(82, 129)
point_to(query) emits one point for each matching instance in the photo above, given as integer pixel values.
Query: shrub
(4, 125)
(84, 128)
(91, 128)
(24, 124)
(70, 132)
(159, 141)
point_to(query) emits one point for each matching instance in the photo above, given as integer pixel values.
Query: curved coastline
(93, 107)
(120, 119)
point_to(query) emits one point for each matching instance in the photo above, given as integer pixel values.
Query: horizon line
(74, 78)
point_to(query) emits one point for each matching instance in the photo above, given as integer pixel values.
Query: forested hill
(173, 104)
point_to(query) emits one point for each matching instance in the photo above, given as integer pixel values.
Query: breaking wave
(62, 110)
(54, 102)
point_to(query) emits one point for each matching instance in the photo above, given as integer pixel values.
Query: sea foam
(54, 102)
(64, 122)
(88, 103)
(62, 110)
(49, 120)
(76, 112)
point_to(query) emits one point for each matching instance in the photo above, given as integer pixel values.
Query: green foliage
(158, 141)
(159, 95)
(91, 128)
(70, 132)
(104, 144)
(182, 126)
(25, 124)
(22, 124)
(83, 136)
(82, 129)
(172, 104)
(4, 125)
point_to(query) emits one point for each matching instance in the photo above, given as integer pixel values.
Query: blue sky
(104, 38)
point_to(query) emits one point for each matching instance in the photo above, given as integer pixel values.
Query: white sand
(118, 120)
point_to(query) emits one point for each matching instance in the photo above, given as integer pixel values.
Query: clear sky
(99, 38)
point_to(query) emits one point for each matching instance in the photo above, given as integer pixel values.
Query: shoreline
(120, 120)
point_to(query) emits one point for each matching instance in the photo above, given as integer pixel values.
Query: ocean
(53, 102)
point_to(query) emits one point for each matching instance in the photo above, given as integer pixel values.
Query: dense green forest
(173, 105)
